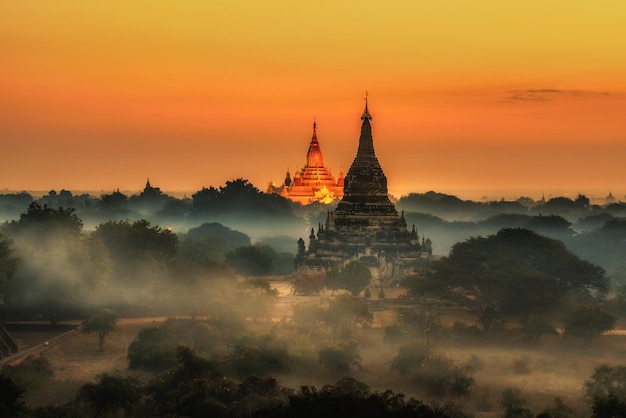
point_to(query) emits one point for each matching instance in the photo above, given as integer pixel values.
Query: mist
(170, 260)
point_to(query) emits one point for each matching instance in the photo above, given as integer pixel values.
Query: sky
(474, 98)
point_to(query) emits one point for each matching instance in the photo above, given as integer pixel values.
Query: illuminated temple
(365, 226)
(312, 183)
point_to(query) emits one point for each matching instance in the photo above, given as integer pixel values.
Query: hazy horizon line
(469, 193)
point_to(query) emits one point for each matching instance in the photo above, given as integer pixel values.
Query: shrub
(409, 359)
(340, 356)
(514, 405)
(436, 372)
(154, 349)
(259, 355)
(588, 323)
(606, 381)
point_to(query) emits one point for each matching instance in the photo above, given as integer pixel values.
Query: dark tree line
(197, 387)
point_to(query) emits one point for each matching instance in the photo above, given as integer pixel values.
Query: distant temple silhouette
(312, 183)
(366, 225)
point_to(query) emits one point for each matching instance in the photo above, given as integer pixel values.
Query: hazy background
(465, 96)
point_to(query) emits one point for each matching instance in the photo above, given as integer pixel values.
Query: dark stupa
(366, 225)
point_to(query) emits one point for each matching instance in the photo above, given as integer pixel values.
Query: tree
(348, 398)
(308, 284)
(353, 277)
(258, 355)
(345, 313)
(211, 241)
(8, 261)
(241, 196)
(533, 330)
(611, 406)
(44, 221)
(514, 404)
(606, 380)
(588, 322)
(111, 393)
(8, 266)
(139, 252)
(435, 372)
(340, 356)
(559, 410)
(205, 199)
(515, 274)
(249, 261)
(61, 269)
(154, 349)
(103, 323)
(11, 403)
(139, 239)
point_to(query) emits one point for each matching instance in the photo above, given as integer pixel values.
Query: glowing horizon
(479, 96)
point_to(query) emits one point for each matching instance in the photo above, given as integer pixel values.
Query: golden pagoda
(312, 183)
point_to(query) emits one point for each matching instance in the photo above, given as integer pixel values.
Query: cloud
(546, 95)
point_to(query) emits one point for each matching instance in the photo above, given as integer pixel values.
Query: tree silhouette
(103, 323)
(515, 274)
(347, 312)
(249, 261)
(111, 393)
(353, 277)
(61, 268)
(588, 322)
(8, 261)
(11, 403)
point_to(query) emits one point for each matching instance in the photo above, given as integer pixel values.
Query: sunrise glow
(465, 96)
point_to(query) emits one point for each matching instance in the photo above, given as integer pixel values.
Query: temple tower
(365, 201)
(365, 225)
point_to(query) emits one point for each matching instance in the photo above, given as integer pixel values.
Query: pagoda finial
(366, 113)
(314, 130)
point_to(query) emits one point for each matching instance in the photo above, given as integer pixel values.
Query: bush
(259, 355)
(308, 284)
(410, 358)
(537, 328)
(31, 373)
(588, 323)
(611, 406)
(606, 381)
(111, 393)
(436, 372)
(11, 403)
(154, 349)
(340, 356)
(514, 405)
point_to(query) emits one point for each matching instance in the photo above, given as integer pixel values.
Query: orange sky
(467, 97)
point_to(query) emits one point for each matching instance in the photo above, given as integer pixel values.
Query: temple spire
(366, 142)
(314, 138)
(314, 155)
(366, 112)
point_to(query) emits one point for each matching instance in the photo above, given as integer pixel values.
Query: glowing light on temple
(312, 183)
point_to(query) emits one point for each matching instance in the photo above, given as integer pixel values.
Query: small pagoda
(365, 225)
